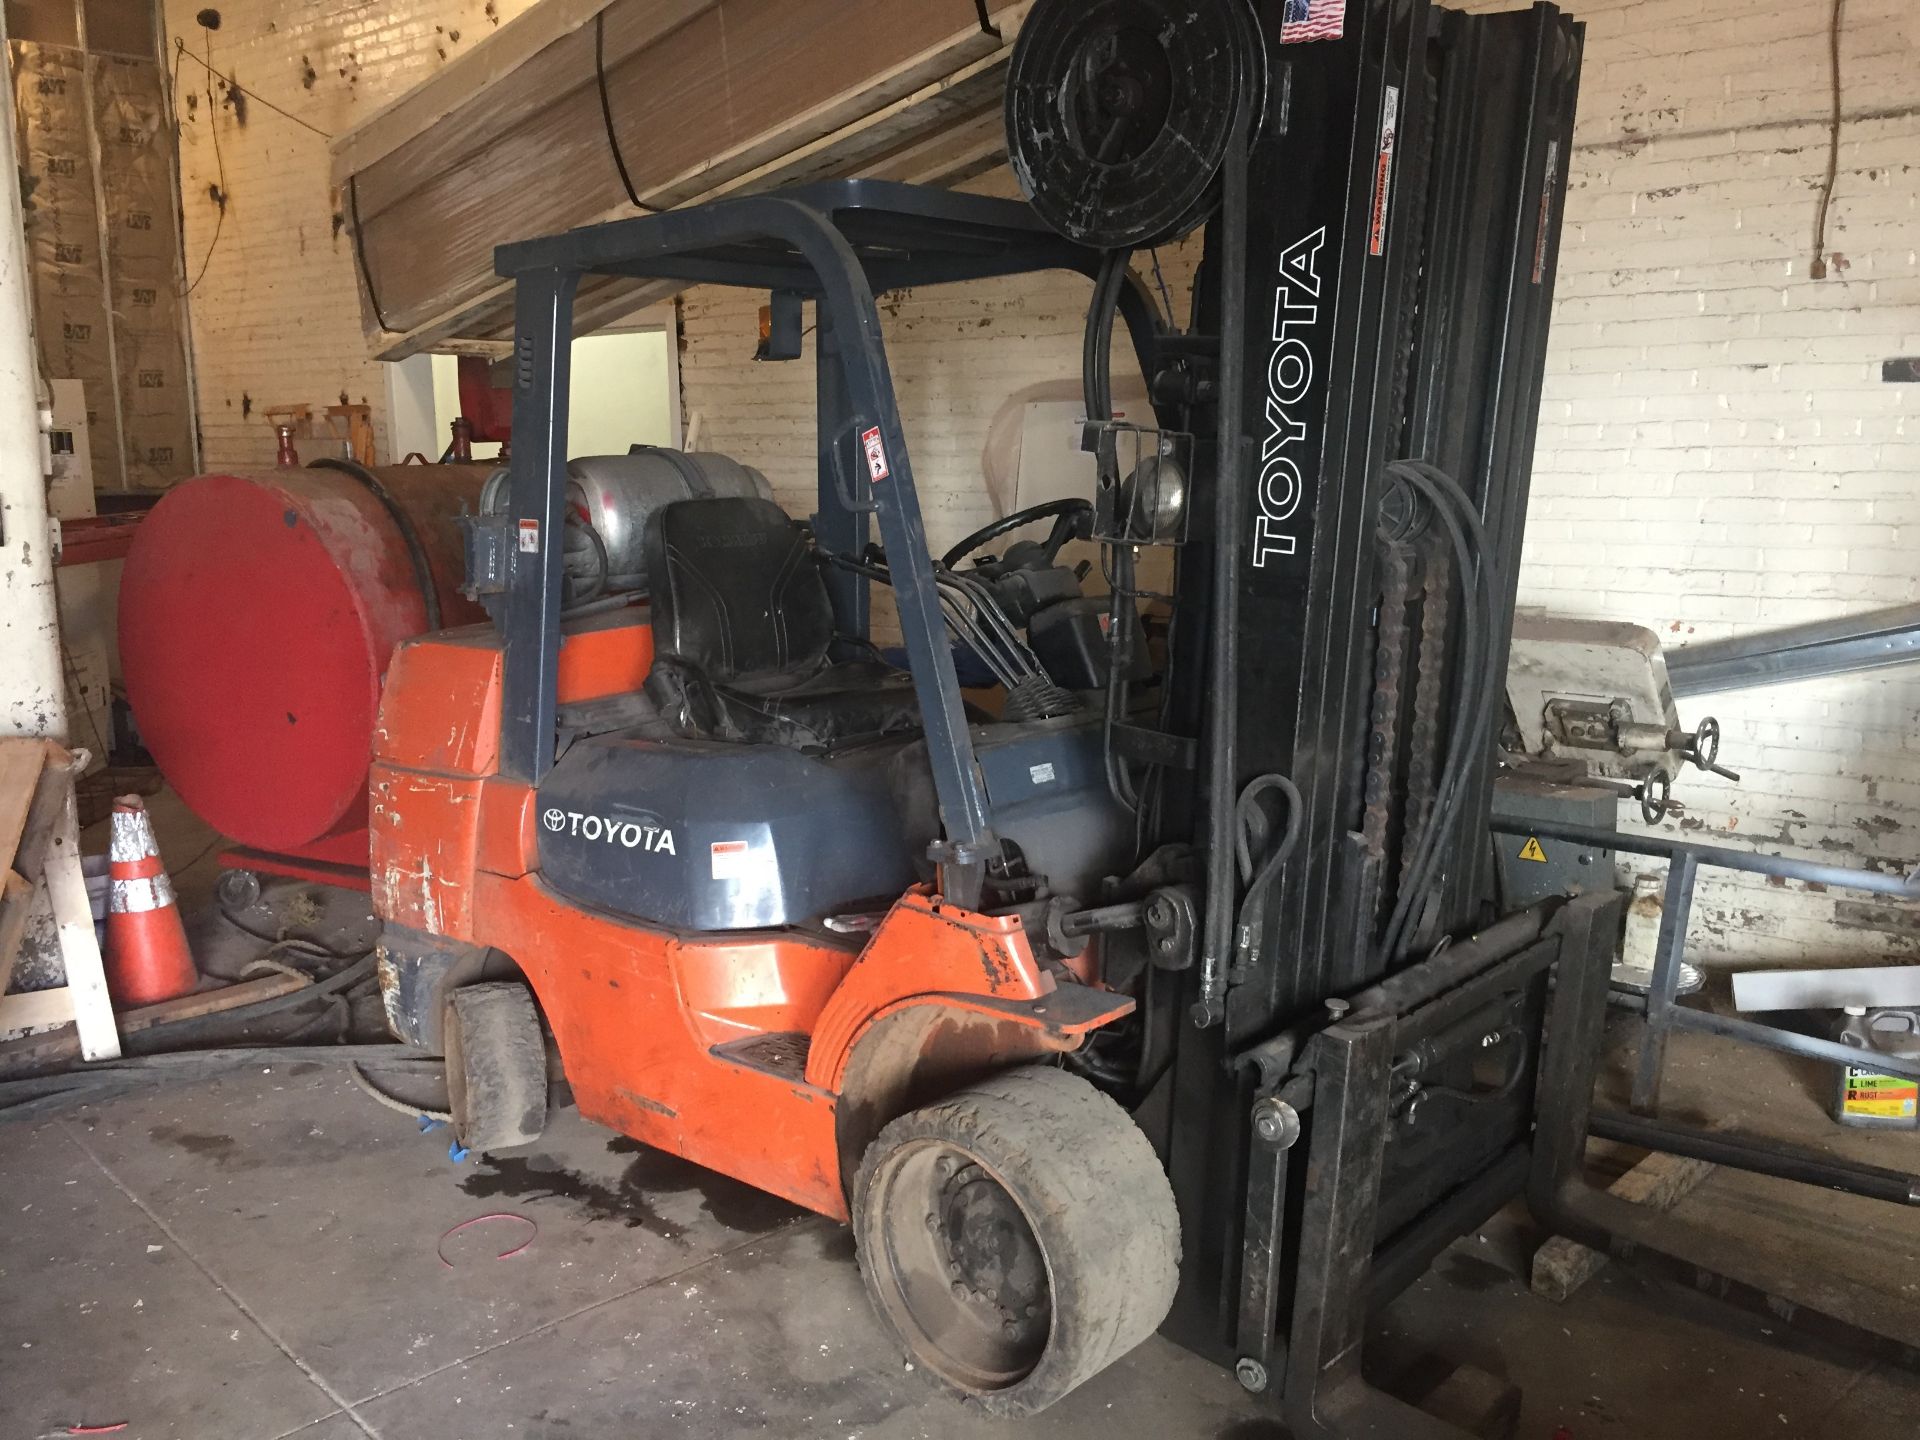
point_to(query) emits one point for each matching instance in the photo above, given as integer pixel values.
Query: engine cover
(701, 835)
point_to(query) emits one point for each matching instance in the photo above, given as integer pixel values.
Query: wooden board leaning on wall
(702, 98)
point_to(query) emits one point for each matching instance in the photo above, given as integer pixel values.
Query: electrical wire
(1478, 690)
(292, 942)
(213, 127)
(180, 48)
(1817, 267)
(219, 162)
(1250, 829)
(1096, 366)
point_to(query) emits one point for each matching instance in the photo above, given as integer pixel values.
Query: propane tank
(615, 495)
(257, 616)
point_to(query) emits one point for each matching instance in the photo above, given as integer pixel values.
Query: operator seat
(742, 626)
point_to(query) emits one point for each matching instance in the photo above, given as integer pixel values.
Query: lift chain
(1436, 604)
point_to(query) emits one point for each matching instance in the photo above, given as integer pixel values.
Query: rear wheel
(496, 1067)
(1018, 1236)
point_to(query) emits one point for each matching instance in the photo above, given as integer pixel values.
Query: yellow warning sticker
(1532, 851)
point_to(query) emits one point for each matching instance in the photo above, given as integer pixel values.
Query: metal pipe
(1737, 1152)
(1125, 916)
(1790, 1042)
(33, 697)
(1842, 646)
(1873, 882)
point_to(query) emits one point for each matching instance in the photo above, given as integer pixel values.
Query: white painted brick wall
(1717, 452)
(276, 318)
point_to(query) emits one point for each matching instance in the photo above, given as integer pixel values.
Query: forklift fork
(1339, 1103)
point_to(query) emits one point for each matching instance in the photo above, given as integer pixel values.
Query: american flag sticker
(1313, 20)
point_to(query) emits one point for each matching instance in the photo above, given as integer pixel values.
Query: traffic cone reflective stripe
(147, 956)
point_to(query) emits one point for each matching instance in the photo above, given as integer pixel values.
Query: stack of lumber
(580, 111)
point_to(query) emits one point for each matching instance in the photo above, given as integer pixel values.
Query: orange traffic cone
(147, 956)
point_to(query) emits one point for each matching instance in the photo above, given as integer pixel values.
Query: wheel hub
(990, 1251)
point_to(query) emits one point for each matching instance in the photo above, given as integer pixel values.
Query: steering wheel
(1070, 513)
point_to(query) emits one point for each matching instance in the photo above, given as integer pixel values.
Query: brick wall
(1717, 451)
(275, 317)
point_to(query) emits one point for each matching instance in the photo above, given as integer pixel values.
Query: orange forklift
(1041, 986)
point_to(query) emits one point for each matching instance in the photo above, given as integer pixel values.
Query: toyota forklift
(1156, 978)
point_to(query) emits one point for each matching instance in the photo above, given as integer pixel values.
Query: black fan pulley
(1119, 112)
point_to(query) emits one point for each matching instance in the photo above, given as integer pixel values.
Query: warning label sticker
(1383, 171)
(1882, 1097)
(1532, 851)
(529, 537)
(732, 859)
(876, 449)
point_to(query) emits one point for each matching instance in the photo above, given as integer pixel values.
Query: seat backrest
(737, 594)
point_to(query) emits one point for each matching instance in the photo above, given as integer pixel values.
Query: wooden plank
(939, 105)
(561, 69)
(454, 86)
(35, 1010)
(965, 104)
(16, 898)
(79, 946)
(1659, 1182)
(64, 1045)
(433, 294)
(951, 150)
(44, 813)
(924, 74)
(21, 761)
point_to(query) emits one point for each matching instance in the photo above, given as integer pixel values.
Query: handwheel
(1018, 1237)
(496, 1067)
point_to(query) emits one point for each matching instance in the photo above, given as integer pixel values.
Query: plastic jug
(1865, 1098)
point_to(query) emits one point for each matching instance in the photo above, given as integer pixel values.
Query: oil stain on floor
(629, 1200)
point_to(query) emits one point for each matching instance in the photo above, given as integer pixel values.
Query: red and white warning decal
(876, 449)
(1544, 229)
(529, 537)
(1383, 170)
(731, 859)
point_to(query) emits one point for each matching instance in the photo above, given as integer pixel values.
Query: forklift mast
(1380, 274)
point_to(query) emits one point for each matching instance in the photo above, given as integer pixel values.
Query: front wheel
(1018, 1236)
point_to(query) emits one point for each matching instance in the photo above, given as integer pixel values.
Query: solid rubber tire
(496, 1067)
(1093, 1192)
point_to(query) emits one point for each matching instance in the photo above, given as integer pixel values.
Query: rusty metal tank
(257, 615)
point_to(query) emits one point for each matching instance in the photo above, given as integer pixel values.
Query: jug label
(1886, 1097)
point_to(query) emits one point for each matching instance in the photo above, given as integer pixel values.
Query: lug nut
(1010, 1329)
(959, 1291)
(933, 1222)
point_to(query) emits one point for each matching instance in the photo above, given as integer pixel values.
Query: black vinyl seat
(742, 627)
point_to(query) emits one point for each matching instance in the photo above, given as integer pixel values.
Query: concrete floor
(255, 1257)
